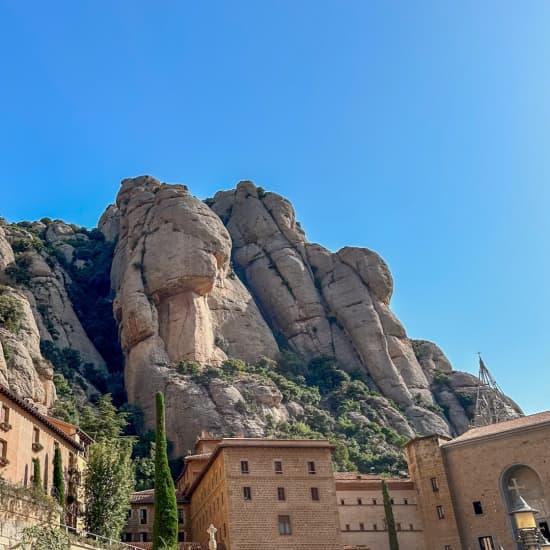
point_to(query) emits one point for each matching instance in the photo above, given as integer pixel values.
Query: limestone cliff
(225, 306)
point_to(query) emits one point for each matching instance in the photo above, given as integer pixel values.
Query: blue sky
(418, 129)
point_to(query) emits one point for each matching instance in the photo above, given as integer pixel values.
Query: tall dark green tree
(58, 480)
(165, 522)
(390, 521)
(36, 474)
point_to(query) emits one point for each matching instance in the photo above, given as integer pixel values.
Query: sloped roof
(42, 419)
(495, 430)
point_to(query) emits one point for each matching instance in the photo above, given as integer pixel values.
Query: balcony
(37, 447)
(5, 426)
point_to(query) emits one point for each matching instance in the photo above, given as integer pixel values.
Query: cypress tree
(58, 480)
(36, 475)
(165, 522)
(390, 521)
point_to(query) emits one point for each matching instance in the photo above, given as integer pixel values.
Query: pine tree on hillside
(58, 480)
(36, 475)
(390, 521)
(165, 523)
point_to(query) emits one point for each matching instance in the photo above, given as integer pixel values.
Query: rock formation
(207, 296)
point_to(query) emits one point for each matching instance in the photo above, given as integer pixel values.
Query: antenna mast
(489, 408)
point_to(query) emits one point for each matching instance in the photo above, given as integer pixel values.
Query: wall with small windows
(275, 497)
(427, 469)
(362, 517)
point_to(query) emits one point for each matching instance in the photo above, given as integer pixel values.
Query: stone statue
(212, 544)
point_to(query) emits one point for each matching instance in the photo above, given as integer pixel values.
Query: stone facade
(27, 435)
(477, 475)
(362, 517)
(259, 493)
(139, 527)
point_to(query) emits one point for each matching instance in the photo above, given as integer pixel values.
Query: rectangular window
(181, 517)
(361, 526)
(244, 467)
(3, 448)
(35, 435)
(486, 543)
(440, 512)
(311, 468)
(5, 417)
(478, 509)
(284, 525)
(342, 501)
(347, 526)
(142, 537)
(181, 536)
(405, 501)
(278, 465)
(398, 526)
(374, 501)
(314, 493)
(247, 493)
(391, 501)
(435, 484)
(374, 527)
(359, 501)
(411, 527)
(281, 493)
(143, 516)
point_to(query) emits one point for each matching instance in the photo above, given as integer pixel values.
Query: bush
(19, 271)
(11, 313)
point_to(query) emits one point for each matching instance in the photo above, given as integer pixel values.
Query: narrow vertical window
(359, 501)
(244, 467)
(315, 494)
(247, 493)
(143, 516)
(361, 526)
(3, 452)
(281, 493)
(284, 525)
(278, 465)
(478, 509)
(311, 468)
(440, 512)
(435, 484)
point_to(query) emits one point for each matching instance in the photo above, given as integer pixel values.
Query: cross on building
(515, 487)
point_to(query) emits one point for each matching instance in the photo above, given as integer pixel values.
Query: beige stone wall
(209, 504)
(426, 463)
(362, 517)
(18, 512)
(475, 469)
(253, 524)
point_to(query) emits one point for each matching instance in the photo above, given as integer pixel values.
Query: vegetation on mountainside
(89, 289)
(11, 312)
(336, 406)
(165, 522)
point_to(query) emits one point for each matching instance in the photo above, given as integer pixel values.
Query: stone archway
(524, 481)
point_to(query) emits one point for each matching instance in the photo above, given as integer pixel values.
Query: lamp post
(528, 533)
